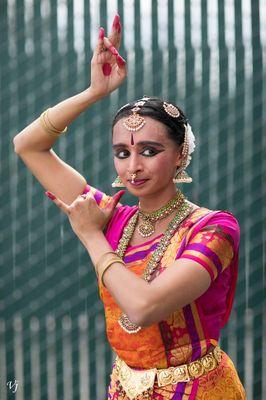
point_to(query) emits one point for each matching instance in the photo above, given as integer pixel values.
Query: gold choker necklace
(147, 226)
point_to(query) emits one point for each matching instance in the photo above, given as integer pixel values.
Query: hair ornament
(171, 110)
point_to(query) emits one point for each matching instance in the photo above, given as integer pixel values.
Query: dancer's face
(155, 162)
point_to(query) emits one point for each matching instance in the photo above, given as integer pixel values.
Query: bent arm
(34, 146)
(179, 285)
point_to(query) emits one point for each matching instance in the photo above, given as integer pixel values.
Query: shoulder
(221, 222)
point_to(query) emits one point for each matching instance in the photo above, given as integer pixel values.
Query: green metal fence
(208, 57)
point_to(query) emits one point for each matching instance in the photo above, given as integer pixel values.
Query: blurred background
(207, 56)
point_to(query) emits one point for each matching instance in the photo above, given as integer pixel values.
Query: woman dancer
(166, 268)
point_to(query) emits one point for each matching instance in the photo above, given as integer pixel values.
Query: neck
(157, 200)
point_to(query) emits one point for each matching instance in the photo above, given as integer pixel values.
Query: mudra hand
(108, 68)
(85, 216)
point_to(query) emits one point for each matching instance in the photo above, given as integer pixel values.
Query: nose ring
(133, 177)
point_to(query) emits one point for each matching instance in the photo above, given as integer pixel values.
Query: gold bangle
(104, 268)
(101, 259)
(54, 129)
(51, 131)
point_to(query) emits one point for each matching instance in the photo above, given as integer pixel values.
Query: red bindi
(132, 139)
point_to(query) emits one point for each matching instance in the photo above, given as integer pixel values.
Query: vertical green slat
(204, 184)
(55, 61)
(138, 61)
(5, 174)
(255, 212)
(190, 73)
(6, 144)
(22, 233)
(223, 126)
(172, 56)
(238, 180)
(223, 110)
(157, 57)
(122, 91)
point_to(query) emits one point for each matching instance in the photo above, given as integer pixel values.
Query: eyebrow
(143, 142)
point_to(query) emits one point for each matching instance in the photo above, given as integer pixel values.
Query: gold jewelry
(135, 121)
(171, 109)
(138, 383)
(47, 125)
(154, 262)
(102, 258)
(147, 227)
(104, 267)
(118, 182)
(133, 177)
(181, 175)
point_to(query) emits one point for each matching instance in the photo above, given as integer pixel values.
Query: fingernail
(50, 195)
(120, 193)
(113, 51)
(116, 23)
(107, 69)
(101, 33)
(121, 62)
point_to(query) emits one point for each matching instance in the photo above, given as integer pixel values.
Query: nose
(134, 164)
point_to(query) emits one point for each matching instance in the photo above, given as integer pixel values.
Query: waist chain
(138, 384)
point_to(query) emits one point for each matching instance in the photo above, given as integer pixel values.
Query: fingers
(115, 200)
(115, 36)
(109, 45)
(60, 204)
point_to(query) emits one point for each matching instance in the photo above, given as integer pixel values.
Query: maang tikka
(135, 122)
(132, 123)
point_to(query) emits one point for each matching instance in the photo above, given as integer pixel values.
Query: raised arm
(34, 145)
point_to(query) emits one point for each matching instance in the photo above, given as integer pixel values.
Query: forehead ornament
(135, 121)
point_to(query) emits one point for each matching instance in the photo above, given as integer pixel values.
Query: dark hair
(153, 108)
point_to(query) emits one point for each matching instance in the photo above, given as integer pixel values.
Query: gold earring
(182, 176)
(118, 182)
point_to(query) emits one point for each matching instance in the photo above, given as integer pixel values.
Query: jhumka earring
(181, 175)
(118, 182)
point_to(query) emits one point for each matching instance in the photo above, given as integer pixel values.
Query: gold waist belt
(137, 383)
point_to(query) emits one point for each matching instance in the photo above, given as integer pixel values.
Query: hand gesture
(108, 68)
(85, 216)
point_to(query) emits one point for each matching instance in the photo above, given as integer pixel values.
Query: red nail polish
(116, 23)
(50, 195)
(101, 33)
(113, 50)
(121, 62)
(107, 69)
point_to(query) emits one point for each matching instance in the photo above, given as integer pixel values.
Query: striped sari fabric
(210, 238)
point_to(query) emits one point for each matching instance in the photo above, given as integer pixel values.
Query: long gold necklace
(154, 262)
(147, 226)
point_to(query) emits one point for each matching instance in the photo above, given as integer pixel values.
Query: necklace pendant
(127, 325)
(146, 229)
